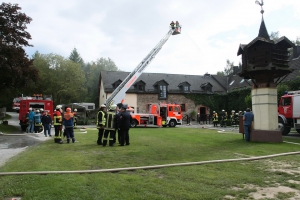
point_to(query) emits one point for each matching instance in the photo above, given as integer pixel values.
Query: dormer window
(206, 87)
(162, 88)
(116, 84)
(184, 87)
(162, 92)
(140, 86)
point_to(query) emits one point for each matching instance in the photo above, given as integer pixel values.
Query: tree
(16, 69)
(60, 77)
(93, 72)
(229, 68)
(75, 57)
(220, 73)
(274, 35)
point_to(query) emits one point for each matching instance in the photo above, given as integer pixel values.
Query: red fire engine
(289, 112)
(38, 101)
(159, 115)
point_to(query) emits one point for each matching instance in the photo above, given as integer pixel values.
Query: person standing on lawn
(57, 122)
(46, 121)
(101, 119)
(110, 126)
(30, 128)
(124, 125)
(69, 125)
(248, 119)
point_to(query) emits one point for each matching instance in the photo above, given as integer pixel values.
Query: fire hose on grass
(149, 167)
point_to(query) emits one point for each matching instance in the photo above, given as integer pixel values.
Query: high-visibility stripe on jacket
(110, 121)
(57, 119)
(215, 117)
(102, 120)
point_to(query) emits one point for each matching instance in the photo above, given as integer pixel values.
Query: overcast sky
(127, 30)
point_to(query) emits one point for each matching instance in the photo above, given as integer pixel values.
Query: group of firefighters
(113, 123)
(224, 118)
(40, 119)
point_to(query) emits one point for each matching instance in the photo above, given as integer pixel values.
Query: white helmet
(30, 108)
(103, 106)
(113, 107)
(75, 110)
(58, 106)
(37, 111)
(41, 109)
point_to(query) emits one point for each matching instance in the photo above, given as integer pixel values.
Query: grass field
(157, 146)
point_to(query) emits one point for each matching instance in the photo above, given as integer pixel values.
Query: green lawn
(148, 146)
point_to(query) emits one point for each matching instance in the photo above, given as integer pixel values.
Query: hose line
(149, 167)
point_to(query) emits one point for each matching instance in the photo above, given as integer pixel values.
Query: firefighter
(223, 118)
(172, 24)
(30, 128)
(232, 117)
(118, 113)
(100, 123)
(57, 122)
(110, 126)
(42, 111)
(69, 125)
(215, 119)
(37, 122)
(124, 125)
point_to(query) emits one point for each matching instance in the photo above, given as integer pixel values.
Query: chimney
(235, 70)
(296, 52)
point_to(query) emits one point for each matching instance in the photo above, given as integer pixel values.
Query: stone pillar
(265, 110)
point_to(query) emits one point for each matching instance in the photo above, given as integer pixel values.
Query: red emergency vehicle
(38, 101)
(289, 112)
(161, 114)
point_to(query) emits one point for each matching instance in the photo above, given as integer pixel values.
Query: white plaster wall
(129, 99)
(264, 105)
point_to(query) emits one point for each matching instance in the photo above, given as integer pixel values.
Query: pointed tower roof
(263, 30)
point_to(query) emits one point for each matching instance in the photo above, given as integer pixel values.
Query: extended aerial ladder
(119, 93)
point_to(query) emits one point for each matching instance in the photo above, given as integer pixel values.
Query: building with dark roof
(169, 88)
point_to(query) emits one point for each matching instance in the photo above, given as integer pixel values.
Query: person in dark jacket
(46, 121)
(124, 125)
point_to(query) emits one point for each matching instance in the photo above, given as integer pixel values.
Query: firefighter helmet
(41, 109)
(113, 107)
(75, 110)
(58, 106)
(30, 108)
(37, 111)
(68, 109)
(102, 106)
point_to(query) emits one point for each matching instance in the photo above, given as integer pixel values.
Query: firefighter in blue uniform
(37, 122)
(110, 126)
(101, 123)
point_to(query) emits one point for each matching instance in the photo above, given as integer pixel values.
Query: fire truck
(161, 114)
(38, 101)
(289, 112)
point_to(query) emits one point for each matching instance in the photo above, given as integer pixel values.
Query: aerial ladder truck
(159, 114)
(119, 93)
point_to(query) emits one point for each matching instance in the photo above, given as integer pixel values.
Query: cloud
(126, 31)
